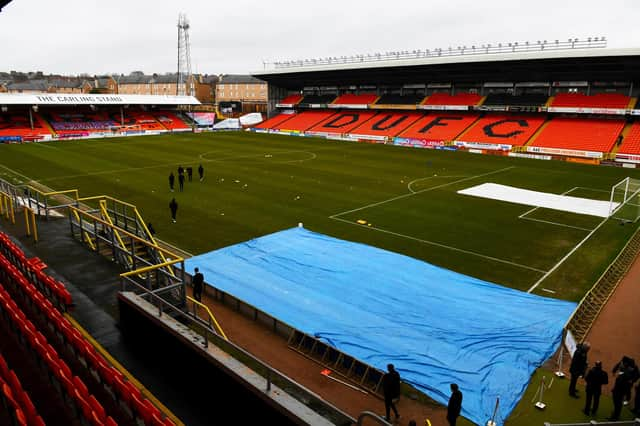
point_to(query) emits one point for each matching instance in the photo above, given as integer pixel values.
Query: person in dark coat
(628, 366)
(636, 403)
(391, 390)
(595, 378)
(190, 173)
(455, 405)
(172, 180)
(180, 170)
(198, 284)
(201, 172)
(181, 182)
(578, 366)
(620, 389)
(173, 206)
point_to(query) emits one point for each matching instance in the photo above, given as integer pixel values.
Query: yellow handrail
(151, 268)
(210, 316)
(84, 233)
(105, 213)
(146, 230)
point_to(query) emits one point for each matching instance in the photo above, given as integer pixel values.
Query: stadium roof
(541, 65)
(90, 99)
(239, 79)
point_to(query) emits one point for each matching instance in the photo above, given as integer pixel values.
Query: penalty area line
(399, 197)
(432, 243)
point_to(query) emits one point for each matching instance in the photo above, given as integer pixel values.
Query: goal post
(625, 200)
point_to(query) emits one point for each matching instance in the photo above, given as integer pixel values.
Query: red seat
(21, 419)
(110, 422)
(97, 408)
(168, 422)
(80, 386)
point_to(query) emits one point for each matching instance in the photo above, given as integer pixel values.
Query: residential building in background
(241, 94)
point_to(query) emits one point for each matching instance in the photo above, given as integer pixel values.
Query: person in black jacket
(172, 180)
(198, 284)
(173, 206)
(595, 378)
(628, 366)
(620, 389)
(391, 390)
(578, 366)
(455, 405)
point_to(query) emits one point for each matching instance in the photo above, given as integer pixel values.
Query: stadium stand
(387, 123)
(597, 135)
(533, 99)
(316, 99)
(15, 399)
(274, 122)
(503, 129)
(291, 100)
(457, 99)
(601, 100)
(351, 99)
(390, 99)
(18, 124)
(631, 143)
(145, 120)
(170, 120)
(304, 121)
(76, 122)
(439, 127)
(96, 390)
(343, 122)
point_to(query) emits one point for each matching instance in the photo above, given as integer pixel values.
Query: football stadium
(468, 215)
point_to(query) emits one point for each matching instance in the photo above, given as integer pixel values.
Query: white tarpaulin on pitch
(540, 199)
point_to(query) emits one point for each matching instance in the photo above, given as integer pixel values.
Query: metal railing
(211, 335)
(635, 422)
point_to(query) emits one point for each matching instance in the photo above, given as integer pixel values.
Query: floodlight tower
(184, 58)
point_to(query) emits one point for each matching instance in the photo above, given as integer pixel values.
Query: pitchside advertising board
(482, 145)
(565, 152)
(418, 143)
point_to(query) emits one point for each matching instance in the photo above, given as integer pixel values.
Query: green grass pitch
(256, 184)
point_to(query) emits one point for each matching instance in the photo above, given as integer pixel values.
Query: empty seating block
(457, 99)
(343, 122)
(274, 122)
(170, 120)
(351, 99)
(601, 100)
(291, 100)
(596, 135)
(631, 143)
(17, 123)
(390, 99)
(305, 120)
(387, 123)
(439, 127)
(503, 129)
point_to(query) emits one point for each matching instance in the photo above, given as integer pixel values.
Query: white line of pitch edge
(495, 259)
(418, 192)
(550, 271)
(556, 223)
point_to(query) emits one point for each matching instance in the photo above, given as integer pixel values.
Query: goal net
(625, 200)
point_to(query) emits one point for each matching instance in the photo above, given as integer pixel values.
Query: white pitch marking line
(418, 192)
(556, 223)
(495, 259)
(429, 177)
(27, 178)
(561, 261)
(547, 290)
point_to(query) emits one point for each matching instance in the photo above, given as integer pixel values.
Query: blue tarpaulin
(436, 326)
